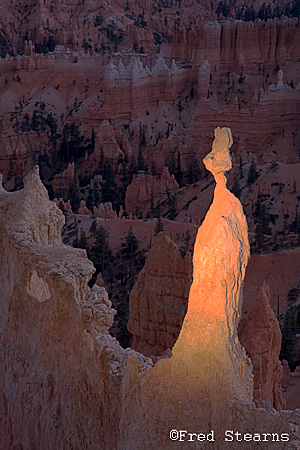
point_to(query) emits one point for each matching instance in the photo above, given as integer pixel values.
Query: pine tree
(141, 163)
(131, 243)
(179, 173)
(153, 168)
(194, 171)
(151, 202)
(75, 195)
(93, 227)
(159, 227)
(101, 249)
(109, 185)
(96, 194)
(289, 338)
(82, 242)
(172, 166)
(62, 207)
(241, 168)
(35, 121)
(236, 190)
(130, 248)
(252, 174)
(75, 241)
(187, 239)
(93, 141)
(260, 239)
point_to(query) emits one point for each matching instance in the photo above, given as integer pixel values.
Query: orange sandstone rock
(64, 381)
(208, 379)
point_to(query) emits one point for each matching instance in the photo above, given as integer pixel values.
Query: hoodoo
(65, 383)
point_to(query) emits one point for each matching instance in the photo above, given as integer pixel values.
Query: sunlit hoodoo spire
(208, 341)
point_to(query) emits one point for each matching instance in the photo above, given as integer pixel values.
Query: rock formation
(83, 209)
(56, 353)
(65, 206)
(105, 210)
(260, 335)
(209, 330)
(64, 180)
(66, 382)
(29, 49)
(158, 300)
(146, 189)
(208, 379)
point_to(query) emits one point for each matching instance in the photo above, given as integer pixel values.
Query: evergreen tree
(101, 249)
(71, 146)
(187, 239)
(101, 161)
(130, 248)
(35, 121)
(75, 241)
(109, 185)
(179, 173)
(194, 171)
(173, 205)
(172, 166)
(295, 225)
(260, 239)
(75, 195)
(153, 168)
(252, 174)
(159, 227)
(261, 215)
(96, 194)
(93, 227)
(82, 242)
(52, 124)
(62, 207)
(151, 202)
(92, 141)
(122, 272)
(141, 163)
(289, 339)
(241, 168)
(131, 243)
(236, 190)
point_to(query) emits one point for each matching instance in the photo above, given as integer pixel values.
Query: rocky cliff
(56, 353)
(164, 100)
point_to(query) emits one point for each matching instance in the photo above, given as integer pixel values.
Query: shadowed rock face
(158, 300)
(261, 337)
(66, 383)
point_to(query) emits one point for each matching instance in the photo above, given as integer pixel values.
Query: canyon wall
(168, 95)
